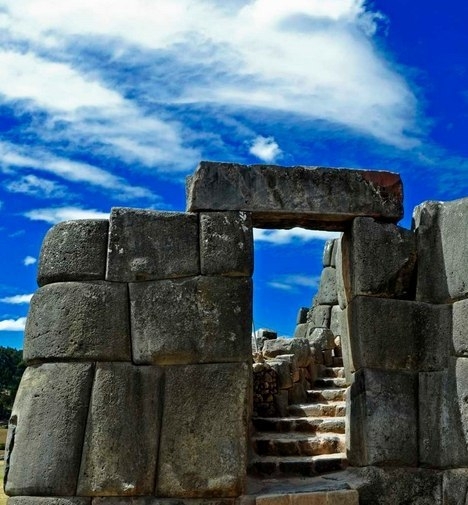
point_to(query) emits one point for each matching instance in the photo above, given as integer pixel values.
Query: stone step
(332, 371)
(326, 394)
(300, 424)
(297, 444)
(325, 409)
(307, 466)
(330, 382)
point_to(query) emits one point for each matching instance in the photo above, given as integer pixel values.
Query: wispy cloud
(283, 237)
(293, 283)
(29, 260)
(56, 215)
(265, 148)
(13, 324)
(36, 186)
(17, 299)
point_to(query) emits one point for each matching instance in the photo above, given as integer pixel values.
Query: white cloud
(294, 282)
(36, 186)
(29, 260)
(265, 148)
(13, 324)
(17, 299)
(282, 237)
(56, 215)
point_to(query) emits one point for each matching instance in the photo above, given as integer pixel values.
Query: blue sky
(113, 103)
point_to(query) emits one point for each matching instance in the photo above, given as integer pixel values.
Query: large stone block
(327, 293)
(193, 320)
(299, 347)
(460, 328)
(226, 243)
(342, 271)
(398, 334)
(74, 251)
(442, 250)
(443, 416)
(381, 260)
(147, 245)
(320, 316)
(48, 500)
(382, 418)
(122, 432)
(282, 197)
(46, 430)
(455, 487)
(153, 500)
(204, 437)
(78, 321)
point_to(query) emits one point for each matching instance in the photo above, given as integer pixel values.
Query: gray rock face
(283, 371)
(382, 418)
(226, 243)
(320, 316)
(47, 426)
(192, 320)
(74, 251)
(48, 500)
(204, 438)
(280, 197)
(322, 338)
(153, 500)
(336, 320)
(442, 237)
(328, 253)
(381, 258)
(460, 328)
(147, 245)
(78, 321)
(327, 293)
(455, 487)
(300, 347)
(121, 440)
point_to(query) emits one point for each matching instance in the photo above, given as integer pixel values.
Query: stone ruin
(139, 386)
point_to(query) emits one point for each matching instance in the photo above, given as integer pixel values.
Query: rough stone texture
(455, 487)
(226, 243)
(392, 486)
(459, 345)
(327, 253)
(152, 500)
(342, 272)
(327, 293)
(297, 346)
(382, 418)
(316, 497)
(192, 320)
(148, 245)
(322, 338)
(204, 437)
(74, 251)
(121, 440)
(336, 320)
(320, 316)
(301, 330)
(46, 427)
(381, 260)
(302, 314)
(398, 334)
(442, 250)
(282, 369)
(260, 336)
(443, 416)
(78, 321)
(48, 500)
(312, 197)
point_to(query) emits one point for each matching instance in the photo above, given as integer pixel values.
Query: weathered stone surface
(204, 437)
(381, 260)
(442, 239)
(342, 272)
(327, 253)
(78, 321)
(455, 487)
(301, 330)
(382, 418)
(392, 486)
(302, 314)
(297, 346)
(283, 197)
(443, 416)
(322, 338)
(320, 316)
(149, 245)
(327, 293)
(261, 335)
(74, 251)
(398, 334)
(48, 500)
(459, 345)
(282, 369)
(226, 243)
(192, 320)
(121, 440)
(153, 500)
(46, 430)
(336, 320)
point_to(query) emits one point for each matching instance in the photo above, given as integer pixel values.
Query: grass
(3, 434)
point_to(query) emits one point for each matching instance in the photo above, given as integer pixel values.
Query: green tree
(11, 371)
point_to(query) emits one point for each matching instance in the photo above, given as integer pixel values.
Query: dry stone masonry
(141, 388)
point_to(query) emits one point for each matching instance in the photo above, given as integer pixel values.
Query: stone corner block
(327, 293)
(204, 436)
(226, 243)
(298, 347)
(74, 251)
(78, 321)
(147, 245)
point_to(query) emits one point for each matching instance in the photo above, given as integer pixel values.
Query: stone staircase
(311, 439)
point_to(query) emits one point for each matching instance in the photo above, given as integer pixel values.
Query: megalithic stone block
(442, 237)
(226, 243)
(147, 245)
(299, 347)
(122, 432)
(204, 436)
(154, 500)
(74, 251)
(460, 328)
(382, 418)
(78, 321)
(455, 486)
(282, 197)
(381, 260)
(320, 316)
(48, 500)
(193, 320)
(46, 430)
(327, 293)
